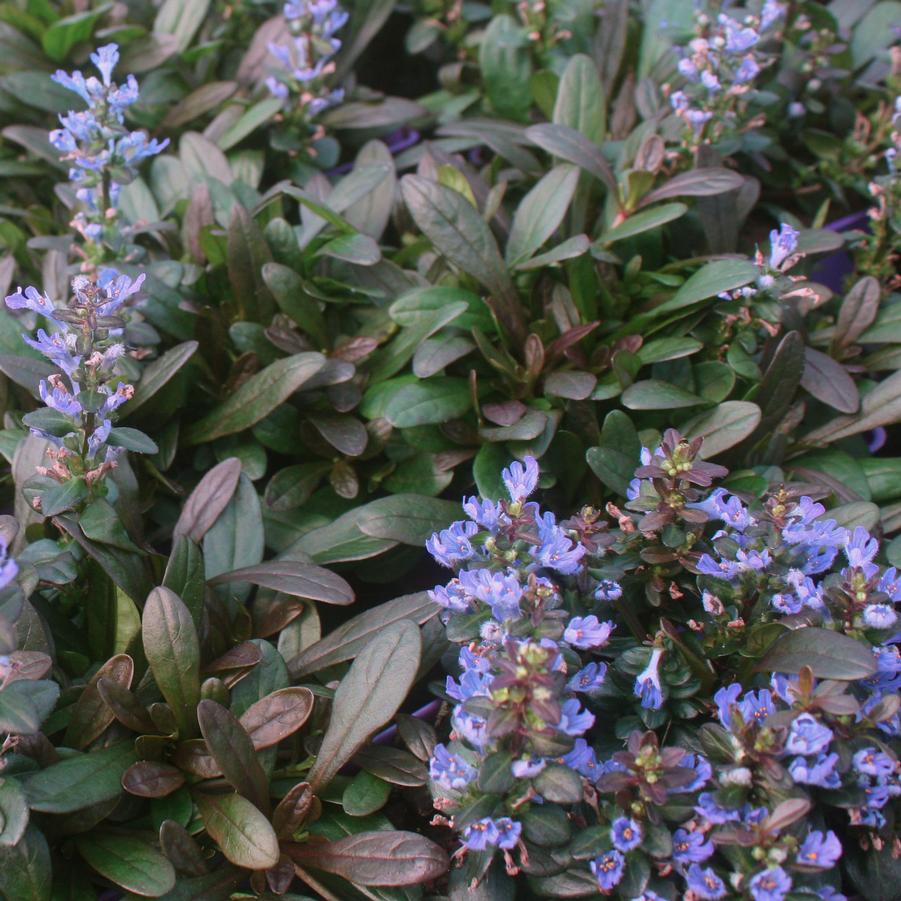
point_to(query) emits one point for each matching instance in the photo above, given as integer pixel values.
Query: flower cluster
(719, 67)
(102, 152)
(549, 682)
(306, 62)
(85, 345)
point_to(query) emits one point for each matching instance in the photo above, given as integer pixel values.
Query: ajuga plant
(690, 695)
(303, 69)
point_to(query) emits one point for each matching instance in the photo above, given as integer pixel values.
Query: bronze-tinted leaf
(193, 757)
(233, 750)
(277, 716)
(126, 708)
(375, 858)
(293, 810)
(208, 500)
(151, 779)
(91, 715)
(181, 849)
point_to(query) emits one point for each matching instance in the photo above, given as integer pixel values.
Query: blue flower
(725, 699)
(890, 584)
(520, 481)
(479, 835)
(573, 720)
(508, 832)
(608, 870)
(861, 548)
(501, 591)
(719, 569)
(452, 545)
(485, 513)
(106, 59)
(738, 39)
(31, 299)
(820, 851)
(705, 883)
(9, 569)
(555, 549)
(647, 683)
(589, 678)
(587, 632)
(756, 706)
(608, 590)
(783, 244)
(702, 770)
(626, 834)
(452, 597)
(871, 762)
(471, 727)
(709, 809)
(770, 885)
(879, 616)
(582, 759)
(820, 773)
(807, 736)
(450, 771)
(690, 847)
(528, 767)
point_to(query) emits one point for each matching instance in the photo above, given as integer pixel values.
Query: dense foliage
(285, 281)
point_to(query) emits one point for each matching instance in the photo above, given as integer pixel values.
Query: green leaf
(365, 794)
(540, 213)
(294, 301)
(360, 250)
(652, 394)
(132, 440)
(181, 18)
(566, 250)
(13, 814)
(173, 652)
(581, 100)
(724, 427)
(300, 580)
(80, 781)
(643, 221)
(828, 381)
(456, 229)
(293, 486)
(830, 655)
(617, 457)
(24, 705)
(486, 469)
(559, 784)
(26, 869)
(243, 834)
(574, 147)
(368, 696)
(879, 407)
(375, 858)
(234, 752)
(345, 642)
(875, 32)
(129, 862)
(407, 518)
(251, 119)
(256, 398)
(248, 252)
(185, 576)
(63, 496)
(407, 401)
(65, 33)
(712, 279)
(159, 372)
(505, 67)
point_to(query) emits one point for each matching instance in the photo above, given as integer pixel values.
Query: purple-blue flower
(608, 869)
(861, 548)
(508, 832)
(770, 885)
(588, 678)
(573, 720)
(608, 590)
(626, 834)
(871, 762)
(479, 835)
(582, 759)
(452, 545)
(705, 883)
(821, 772)
(820, 851)
(648, 686)
(587, 632)
(807, 735)
(450, 771)
(709, 809)
(783, 244)
(690, 847)
(879, 616)
(521, 480)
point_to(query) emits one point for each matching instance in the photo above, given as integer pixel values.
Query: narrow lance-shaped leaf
(243, 833)
(173, 652)
(368, 696)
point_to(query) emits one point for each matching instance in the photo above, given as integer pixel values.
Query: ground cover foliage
(286, 282)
